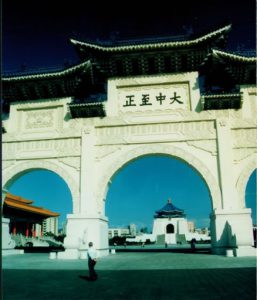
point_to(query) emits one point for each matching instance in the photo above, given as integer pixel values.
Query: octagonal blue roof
(169, 210)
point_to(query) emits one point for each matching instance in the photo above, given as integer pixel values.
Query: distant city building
(63, 229)
(133, 229)
(50, 225)
(191, 226)
(119, 231)
(112, 232)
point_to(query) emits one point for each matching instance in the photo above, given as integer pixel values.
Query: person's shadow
(86, 278)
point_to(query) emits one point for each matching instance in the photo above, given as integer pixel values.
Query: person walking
(192, 242)
(92, 259)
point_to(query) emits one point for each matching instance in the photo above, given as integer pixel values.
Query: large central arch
(167, 150)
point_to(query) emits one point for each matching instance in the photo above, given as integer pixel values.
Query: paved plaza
(130, 275)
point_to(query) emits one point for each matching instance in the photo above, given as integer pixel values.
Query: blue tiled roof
(170, 210)
(169, 207)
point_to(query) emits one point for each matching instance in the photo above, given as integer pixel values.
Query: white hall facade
(159, 109)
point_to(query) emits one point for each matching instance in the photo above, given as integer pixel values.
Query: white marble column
(231, 226)
(86, 225)
(225, 165)
(87, 200)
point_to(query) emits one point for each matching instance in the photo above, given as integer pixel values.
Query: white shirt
(92, 253)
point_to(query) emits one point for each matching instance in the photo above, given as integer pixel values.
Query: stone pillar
(231, 226)
(7, 243)
(88, 221)
(232, 230)
(87, 200)
(4, 192)
(82, 229)
(225, 165)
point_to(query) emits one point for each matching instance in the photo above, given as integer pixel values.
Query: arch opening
(37, 204)
(251, 196)
(144, 184)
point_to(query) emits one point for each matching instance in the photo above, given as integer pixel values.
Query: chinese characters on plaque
(154, 99)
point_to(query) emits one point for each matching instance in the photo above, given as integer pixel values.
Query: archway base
(7, 243)
(232, 230)
(82, 229)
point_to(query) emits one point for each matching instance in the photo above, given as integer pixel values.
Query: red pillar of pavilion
(14, 230)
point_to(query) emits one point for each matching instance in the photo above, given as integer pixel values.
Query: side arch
(243, 179)
(168, 150)
(21, 168)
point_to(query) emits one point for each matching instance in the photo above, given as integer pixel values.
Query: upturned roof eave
(169, 208)
(49, 75)
(18, 199)
(18, 202)
(232, 56)
(169, 216)
(169, 211)
(30, 209)
(151, 46)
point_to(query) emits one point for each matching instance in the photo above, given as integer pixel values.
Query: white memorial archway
(87, 152)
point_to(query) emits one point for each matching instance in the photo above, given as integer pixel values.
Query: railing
(23, 241)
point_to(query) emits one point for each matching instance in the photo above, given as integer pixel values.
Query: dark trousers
(91, 267)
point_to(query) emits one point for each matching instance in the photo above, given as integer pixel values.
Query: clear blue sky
(137, 191)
